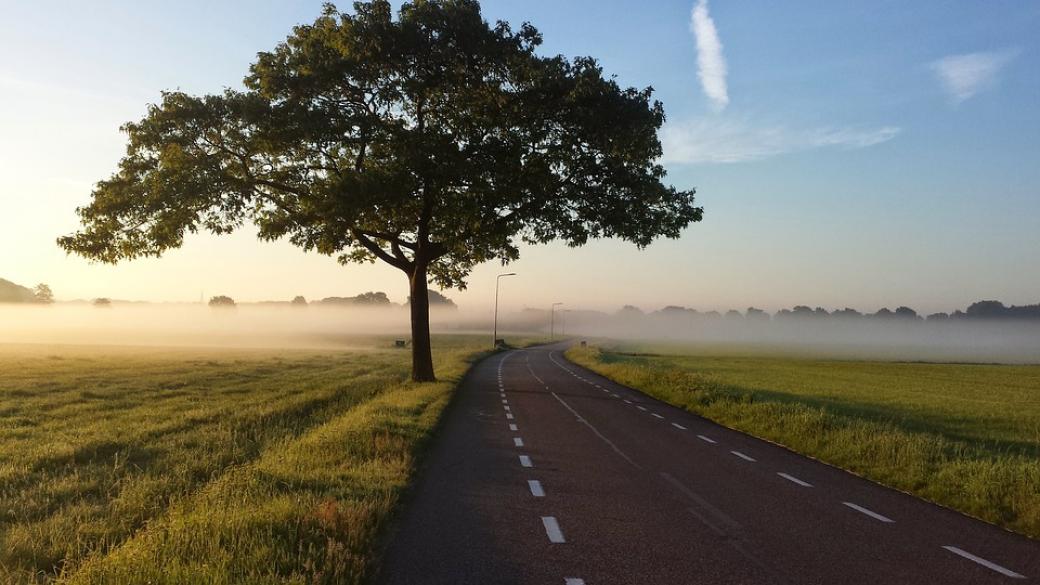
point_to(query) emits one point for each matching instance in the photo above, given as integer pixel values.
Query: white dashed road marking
(525, 461)
(536, 488)
(512, 427)
(552, 529)
(643, 408)
(679, 426)
(794, 479)
(870, 513)
(517, 441)
(989, 565)
(507, 408)
(573, 581)
(743, 456)
(707, 439)
(656, 415)
(509, 415)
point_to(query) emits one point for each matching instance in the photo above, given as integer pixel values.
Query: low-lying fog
(318, 326)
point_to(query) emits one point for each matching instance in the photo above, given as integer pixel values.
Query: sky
(846, 154)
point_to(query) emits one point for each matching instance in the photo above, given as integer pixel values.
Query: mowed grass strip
(207, 466)
(965, 436)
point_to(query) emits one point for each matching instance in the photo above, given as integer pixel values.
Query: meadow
(150, 465)
(962, 435)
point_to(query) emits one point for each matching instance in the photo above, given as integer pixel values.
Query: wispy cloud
(717, 140)
(963, 76)
(711, 65)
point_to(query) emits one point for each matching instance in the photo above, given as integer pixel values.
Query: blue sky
(862, 154)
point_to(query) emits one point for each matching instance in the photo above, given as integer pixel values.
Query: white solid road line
(870, 513)
(573, 581)
(656, 415)
(707, 439)
(743, 456)
(536, 488)
(517, 441)
(512, 427)
(525, 461)
(679, 426)
(794, 479)
(989, 565)
(552, 529)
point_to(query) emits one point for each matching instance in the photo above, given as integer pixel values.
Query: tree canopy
(432, 141)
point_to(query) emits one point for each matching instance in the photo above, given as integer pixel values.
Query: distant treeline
(990, 310)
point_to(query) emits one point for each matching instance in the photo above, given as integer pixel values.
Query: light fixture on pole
(494, 334)
(552, 321)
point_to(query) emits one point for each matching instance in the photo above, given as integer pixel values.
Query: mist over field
(322, 326)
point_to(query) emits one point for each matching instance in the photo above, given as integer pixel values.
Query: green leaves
(430, 141)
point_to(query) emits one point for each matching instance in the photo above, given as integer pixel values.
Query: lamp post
(563, 323)
(552, 321)
(494, 334)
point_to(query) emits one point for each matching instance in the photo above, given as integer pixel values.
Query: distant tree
(986, 310)
(753, 314)
(734, 315)
(221, 301)
(711, 315)
(431, 141)
(299, 301)
(802, 311)
(630, 311)
(103, 302)
(847, 313)
(43, 293)
(372, 299)
(884, 313)
(906, 313)
(784, 314)
(439, 301)
(938, 317)
(821, 312)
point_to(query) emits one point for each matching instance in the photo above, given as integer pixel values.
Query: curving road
(545, 472)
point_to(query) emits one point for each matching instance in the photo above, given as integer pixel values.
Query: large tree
(431, 141)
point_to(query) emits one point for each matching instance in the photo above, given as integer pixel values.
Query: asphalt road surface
(545, 472)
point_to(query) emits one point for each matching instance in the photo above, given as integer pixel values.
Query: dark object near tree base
(583, 344)
(500, 343)
(400, 343)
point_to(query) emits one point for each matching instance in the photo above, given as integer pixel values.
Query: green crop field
(963, 435)
(210, 465)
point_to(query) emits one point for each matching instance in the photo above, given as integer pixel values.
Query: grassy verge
(215, 466)
(964, 436)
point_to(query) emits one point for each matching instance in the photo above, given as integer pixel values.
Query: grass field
(207, 466)
(966, 436)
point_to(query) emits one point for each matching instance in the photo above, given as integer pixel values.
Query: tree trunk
(419, 303)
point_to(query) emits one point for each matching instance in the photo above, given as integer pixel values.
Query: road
(545, 472)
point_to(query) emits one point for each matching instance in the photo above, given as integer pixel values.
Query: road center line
(743, 456)
(656, 415)
(525, 461)
(707, 439)
(643, 408)
(679, 426)
(628, 401)
(989, 565)
(509, 415)
(794, 479)
(536, 488)
(512, 427)
(507, 408)
(582, 420)
(573, 581)
(517, 441)
(552, 529)
(870, 513)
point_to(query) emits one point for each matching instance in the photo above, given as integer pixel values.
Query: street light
(563, 323)
(494, 334)
(552, 321)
